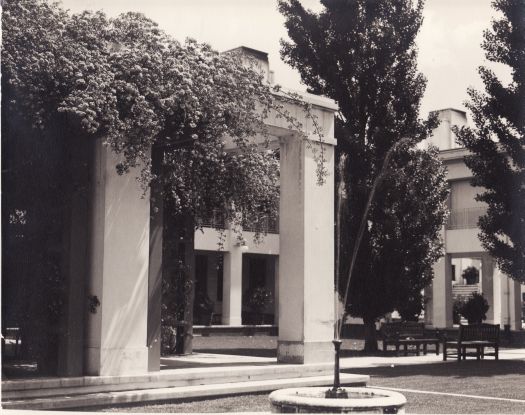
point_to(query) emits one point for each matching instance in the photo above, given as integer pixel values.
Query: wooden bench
(472, 340)
(409, 335)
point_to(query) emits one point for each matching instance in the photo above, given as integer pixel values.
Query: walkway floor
(216, 359)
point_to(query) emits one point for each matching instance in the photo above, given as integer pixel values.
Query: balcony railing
(465, 218)
(263, 224)
(464, 290)
(216, 220)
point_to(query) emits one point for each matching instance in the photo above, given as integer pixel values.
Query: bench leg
(397, 349)
(437, 349)
(496, 352)
(460, 353)
(444, 352)
(406, 349)
(425, 349)
(478, 353)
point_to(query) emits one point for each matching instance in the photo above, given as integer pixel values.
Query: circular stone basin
(313, 400)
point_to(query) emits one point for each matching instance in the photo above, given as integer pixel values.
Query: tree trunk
(370, 335)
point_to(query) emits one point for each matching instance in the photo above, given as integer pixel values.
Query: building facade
(258, 265)
(462, 246)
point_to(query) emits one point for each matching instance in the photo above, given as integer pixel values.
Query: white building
(462, 246)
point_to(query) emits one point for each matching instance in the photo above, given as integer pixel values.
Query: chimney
(261, 59)
(443, 137)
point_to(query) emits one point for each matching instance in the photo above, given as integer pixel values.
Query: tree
(497, 144)
(363, 55)
(475, 308)
(72, 79)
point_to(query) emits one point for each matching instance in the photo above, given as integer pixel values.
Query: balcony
(262, 224)
(216, 221)
(465, 218)
(464, 290)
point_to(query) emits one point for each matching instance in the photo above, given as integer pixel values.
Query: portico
(122, 330)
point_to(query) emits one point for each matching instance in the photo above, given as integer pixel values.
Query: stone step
(180, 392)
(39, 388)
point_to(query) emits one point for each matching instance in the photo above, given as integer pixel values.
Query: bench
(472, 341)
(409, 335)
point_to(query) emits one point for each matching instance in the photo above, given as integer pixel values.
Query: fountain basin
(313, 400)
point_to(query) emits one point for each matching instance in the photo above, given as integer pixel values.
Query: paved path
(210, 359)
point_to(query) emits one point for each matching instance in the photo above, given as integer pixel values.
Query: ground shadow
(178, 364)
(465, 369)
(241, 352)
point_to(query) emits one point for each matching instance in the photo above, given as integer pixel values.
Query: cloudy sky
(449, 41)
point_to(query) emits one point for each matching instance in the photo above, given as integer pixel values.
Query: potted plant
(475, 309)
(471, 274)
(257, 300)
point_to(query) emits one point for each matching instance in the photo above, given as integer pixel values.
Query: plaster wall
(306, 267)
(463, 241)
(116, 334)
(208, 240)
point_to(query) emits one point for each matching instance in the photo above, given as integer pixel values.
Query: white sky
(449, 40)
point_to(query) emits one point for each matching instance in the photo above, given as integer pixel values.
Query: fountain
(338, 399)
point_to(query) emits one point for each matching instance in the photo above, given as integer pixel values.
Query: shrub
(202, 308)
(257, 299)
(456, 309)
(475, 309)
(412, 308)
(471, 274)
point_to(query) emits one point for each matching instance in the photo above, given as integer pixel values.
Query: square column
(232, 287)
(276, 290)
(306, 261)
(507, 301)
(118, 271)
(442, 293)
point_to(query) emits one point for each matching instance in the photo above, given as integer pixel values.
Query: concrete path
(211, 359)
(200, 375)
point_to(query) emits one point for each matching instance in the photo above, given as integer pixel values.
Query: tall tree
(69, 79)
(497, 144)
(363, 55)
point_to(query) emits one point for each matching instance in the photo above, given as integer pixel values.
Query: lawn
(489, 378)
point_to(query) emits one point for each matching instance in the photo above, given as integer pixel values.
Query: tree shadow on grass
(452, 369)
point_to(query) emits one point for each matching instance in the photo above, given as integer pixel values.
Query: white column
(507, 307)
(429, 305)
(232, 287)
(442, 293)
(276, 290)
(515, 305)
(306, 263)
(118, 271)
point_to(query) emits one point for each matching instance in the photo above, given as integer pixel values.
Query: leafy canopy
(125, 80)
(497, 144)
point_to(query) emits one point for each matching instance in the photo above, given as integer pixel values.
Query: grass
(500, 379)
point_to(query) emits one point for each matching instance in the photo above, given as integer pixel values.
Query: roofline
(256, 52)
(449, 109)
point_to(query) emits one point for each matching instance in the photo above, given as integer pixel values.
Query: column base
(299, 352)
(116, 362)
(232, 321)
